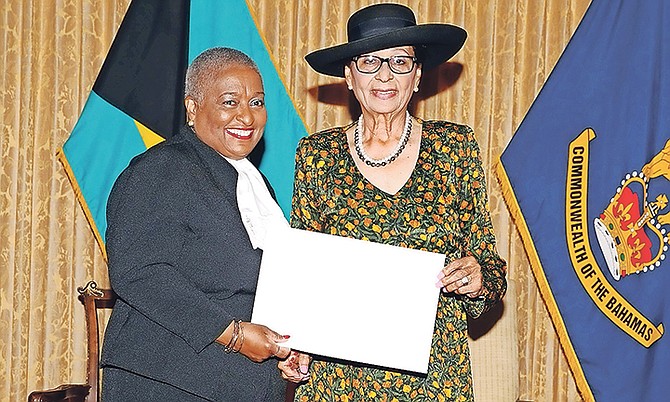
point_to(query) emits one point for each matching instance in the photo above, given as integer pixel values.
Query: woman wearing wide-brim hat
(396, 179)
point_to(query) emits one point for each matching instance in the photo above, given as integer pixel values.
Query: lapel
(221, 173)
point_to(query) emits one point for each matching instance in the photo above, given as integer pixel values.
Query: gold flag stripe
(149, 137)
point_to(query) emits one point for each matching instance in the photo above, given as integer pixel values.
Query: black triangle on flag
(148, 55)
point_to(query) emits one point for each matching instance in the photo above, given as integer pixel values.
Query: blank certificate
(349, 299)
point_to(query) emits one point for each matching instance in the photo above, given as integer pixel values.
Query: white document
(349, 299)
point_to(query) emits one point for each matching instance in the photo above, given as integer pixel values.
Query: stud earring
(190, 123)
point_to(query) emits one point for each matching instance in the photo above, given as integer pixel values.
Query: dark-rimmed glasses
(369, 64)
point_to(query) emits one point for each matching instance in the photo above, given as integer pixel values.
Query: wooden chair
(93, 299)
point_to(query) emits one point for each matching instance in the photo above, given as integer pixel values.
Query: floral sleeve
(478, 231)
(305, 204)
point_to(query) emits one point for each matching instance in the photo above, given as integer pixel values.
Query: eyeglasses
(370, 64)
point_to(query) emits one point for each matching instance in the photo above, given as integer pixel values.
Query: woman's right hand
(296, 367)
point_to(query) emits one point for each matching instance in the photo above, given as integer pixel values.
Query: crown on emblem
(620, 229)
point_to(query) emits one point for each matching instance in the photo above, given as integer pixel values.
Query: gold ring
(465, 280)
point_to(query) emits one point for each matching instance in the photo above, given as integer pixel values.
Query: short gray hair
(199, 73)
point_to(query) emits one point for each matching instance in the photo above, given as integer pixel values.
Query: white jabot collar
(258, 209)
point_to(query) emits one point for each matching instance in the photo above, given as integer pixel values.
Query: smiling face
(231, 115)
(384, 92)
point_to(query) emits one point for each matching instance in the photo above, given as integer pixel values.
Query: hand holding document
(349, 299)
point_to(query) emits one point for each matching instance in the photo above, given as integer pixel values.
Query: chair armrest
(63, 393)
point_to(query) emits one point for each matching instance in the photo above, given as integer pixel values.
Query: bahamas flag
(137, 99)
(587, 179)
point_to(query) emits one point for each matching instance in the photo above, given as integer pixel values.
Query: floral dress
(441, 208)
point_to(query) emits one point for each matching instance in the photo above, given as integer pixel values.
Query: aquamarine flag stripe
(99, 148)
(233, 26)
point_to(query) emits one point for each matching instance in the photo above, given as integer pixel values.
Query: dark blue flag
(587, 178)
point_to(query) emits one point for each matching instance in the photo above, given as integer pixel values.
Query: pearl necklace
(358, 142)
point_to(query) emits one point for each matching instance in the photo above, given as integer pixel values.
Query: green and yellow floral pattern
(442, 208)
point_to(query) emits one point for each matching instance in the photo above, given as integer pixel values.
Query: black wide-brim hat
(383, 26)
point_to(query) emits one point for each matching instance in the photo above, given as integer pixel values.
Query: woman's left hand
(462, 276)
(295, 367)
(261, 343)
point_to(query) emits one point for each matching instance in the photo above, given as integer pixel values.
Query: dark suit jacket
(183, 266)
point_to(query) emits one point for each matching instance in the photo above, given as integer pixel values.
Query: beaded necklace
(358, 142)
